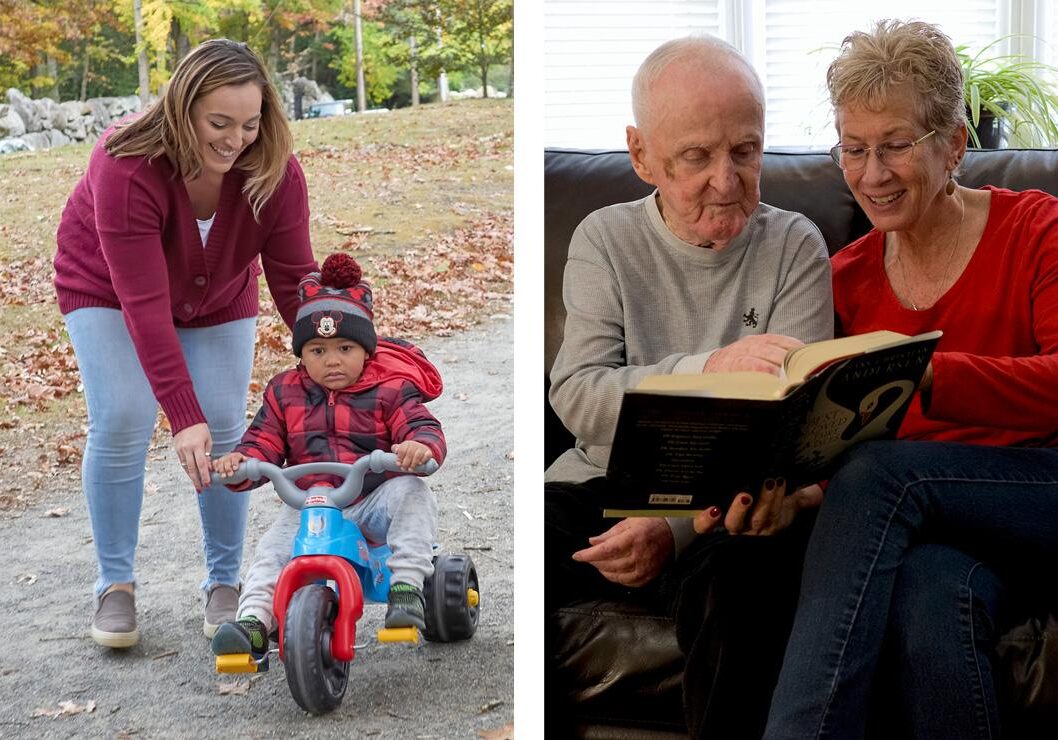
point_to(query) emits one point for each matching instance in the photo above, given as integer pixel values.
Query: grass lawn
(421, 197)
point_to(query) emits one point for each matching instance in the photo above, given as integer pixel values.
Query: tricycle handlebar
(283, 478)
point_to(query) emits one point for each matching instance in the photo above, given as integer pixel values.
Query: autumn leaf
(236, 688)
(66, 708)
(499, 733)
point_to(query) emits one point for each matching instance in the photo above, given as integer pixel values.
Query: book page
(804, 361)
(715, 385)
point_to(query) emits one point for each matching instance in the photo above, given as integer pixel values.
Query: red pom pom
(340, 271)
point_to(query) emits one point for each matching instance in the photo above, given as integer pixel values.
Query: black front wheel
(316, 680)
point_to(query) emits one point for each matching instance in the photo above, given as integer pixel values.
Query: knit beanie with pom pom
(335, 302)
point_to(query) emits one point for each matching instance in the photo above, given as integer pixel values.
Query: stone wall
(29, 125)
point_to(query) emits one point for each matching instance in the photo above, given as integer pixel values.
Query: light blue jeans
(122, 413)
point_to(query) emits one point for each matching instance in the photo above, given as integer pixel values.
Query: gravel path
(166, 686)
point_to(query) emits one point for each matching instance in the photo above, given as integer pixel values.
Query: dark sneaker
(222, 603)
(248, 635)
(114, 624)
(406, 607)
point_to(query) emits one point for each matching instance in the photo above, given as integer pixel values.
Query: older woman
(921, 541)
(156, 276)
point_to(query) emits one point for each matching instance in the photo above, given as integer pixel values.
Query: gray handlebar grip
(248, 470)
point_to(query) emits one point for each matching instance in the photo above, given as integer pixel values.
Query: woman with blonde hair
(923, 544)
(157, 279)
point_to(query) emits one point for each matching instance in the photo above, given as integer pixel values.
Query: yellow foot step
(399, 634)
(236, 663)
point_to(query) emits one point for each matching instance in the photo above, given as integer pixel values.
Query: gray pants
(402, 512)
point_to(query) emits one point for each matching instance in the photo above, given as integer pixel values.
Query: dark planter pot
(990, 130)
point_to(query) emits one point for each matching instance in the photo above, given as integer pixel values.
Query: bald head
(704, 59)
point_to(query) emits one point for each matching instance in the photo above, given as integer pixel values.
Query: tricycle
(320, 594)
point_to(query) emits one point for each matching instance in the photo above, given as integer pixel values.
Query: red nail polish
(780, 482)
(769, 485)
(745, 499)
(714, 512)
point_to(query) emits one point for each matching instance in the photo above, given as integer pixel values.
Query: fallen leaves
(27, 282)
(444, 285)
(234, 688)
(65, 709)
(43, 369)
(499, 733)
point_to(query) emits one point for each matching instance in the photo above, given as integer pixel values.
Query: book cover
(690, 442)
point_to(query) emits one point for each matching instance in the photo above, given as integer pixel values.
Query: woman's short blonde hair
(166, 127)
(895, 54)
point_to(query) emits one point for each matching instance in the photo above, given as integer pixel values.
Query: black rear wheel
(316, 680)
(451, 599)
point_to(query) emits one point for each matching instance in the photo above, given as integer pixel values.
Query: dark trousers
(736, 605)
(572, 514)
(733, 599)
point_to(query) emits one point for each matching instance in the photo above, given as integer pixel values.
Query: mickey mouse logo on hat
(326, 323)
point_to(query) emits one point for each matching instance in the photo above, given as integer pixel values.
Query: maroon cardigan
(128, 240)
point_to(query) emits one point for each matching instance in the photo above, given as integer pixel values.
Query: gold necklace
(947, 266)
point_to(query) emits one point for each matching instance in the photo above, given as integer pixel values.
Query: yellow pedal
(399, 634)
(236, 663)
(473, 598)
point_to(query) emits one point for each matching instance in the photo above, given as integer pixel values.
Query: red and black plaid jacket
(300, 421)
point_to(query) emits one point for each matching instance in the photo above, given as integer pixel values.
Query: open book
(684, 443)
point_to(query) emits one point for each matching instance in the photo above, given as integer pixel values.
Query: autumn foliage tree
(85, 48)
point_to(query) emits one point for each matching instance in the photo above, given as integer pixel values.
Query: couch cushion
(619, 664)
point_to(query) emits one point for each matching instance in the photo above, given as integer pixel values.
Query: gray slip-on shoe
(222, 602)
(114, 624)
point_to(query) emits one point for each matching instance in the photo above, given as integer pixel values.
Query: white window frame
(1025, 22)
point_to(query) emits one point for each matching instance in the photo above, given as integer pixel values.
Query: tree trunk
(442, 78)
(361, 94)
(178, 41)
(414, 73)
(141, 54)
(84, 77)
(315, 54)
(53, 74)
(273, 54)
(483, 55)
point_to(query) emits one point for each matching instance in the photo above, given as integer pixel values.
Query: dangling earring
(949, 189)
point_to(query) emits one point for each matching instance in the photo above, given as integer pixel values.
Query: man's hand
(193, 445)
(773, 511)
(762, 353)
(632, 552)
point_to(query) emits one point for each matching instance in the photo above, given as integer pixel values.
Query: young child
(352, 393)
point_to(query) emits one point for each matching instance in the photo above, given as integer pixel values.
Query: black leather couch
(620, 662)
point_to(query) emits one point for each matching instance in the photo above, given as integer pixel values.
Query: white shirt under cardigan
(640, 301)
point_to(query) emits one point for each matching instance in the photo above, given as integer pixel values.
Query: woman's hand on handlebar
(226, 465)
(193, 445)
(411, 454)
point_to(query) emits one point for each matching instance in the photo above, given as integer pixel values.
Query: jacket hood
(394, 358)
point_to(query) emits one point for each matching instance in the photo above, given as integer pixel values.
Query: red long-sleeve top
(128, 239)
(995, 371)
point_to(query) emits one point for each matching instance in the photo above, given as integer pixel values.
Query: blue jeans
(122, 413)
(868, 570)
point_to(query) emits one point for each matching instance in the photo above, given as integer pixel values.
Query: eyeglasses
(853, 157)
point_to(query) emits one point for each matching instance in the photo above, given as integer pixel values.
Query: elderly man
(699, 276)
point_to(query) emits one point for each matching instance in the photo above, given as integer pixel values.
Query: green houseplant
(1020, 94)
